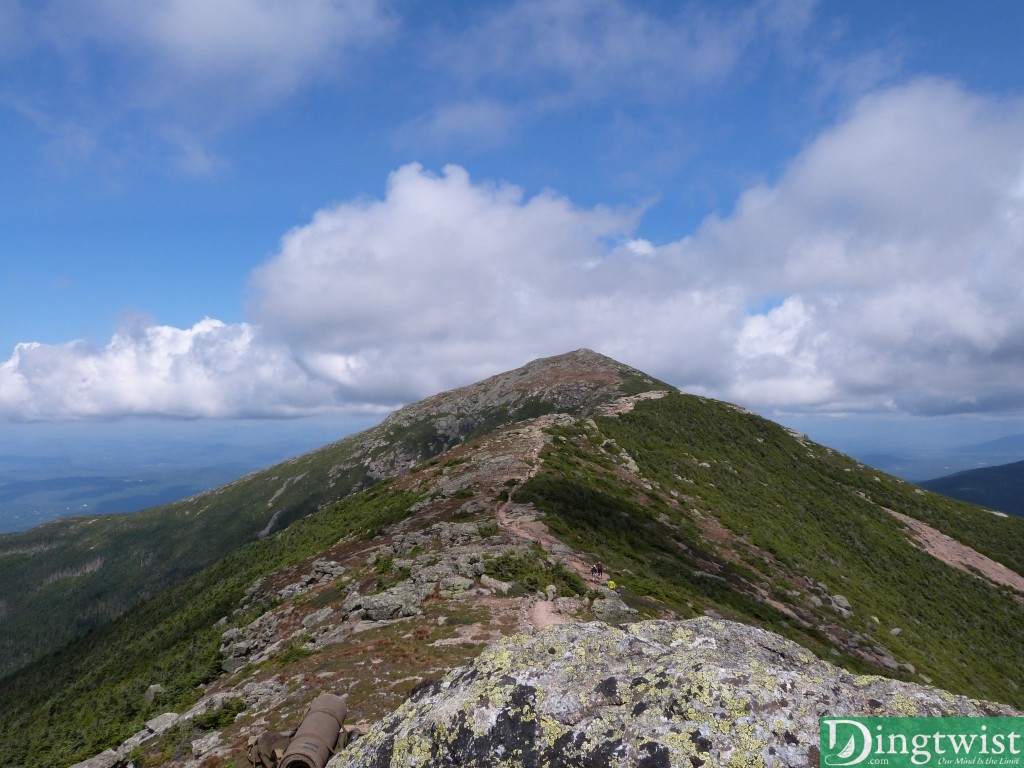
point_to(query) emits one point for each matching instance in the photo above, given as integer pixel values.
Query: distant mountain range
(59, 472)
(1000, 488)
(374, 565)
(928, 463)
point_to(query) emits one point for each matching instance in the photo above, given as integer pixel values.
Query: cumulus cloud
(883, 270)
(208, 370)
(445, 281)
(899, 232)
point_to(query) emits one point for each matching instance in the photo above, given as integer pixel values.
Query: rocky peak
(572, 381)
(578, 383)
(575, 382)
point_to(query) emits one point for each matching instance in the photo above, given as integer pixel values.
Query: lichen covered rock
(652, 694)
(610, 608)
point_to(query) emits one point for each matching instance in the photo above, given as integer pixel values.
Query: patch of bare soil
(957, 555)
(543, 615)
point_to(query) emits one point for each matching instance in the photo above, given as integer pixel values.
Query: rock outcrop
(653, 694)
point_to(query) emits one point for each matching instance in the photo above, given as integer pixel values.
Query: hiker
(600, 570)
(611, 585)
(593, 572)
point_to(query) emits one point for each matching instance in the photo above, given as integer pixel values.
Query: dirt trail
(520, 522)
(525, 525)
(543, 615)
(533, 531)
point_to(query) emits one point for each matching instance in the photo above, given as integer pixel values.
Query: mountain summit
(84, 571)
(374, 566)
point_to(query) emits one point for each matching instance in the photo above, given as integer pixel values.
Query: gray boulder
(610, 608)
(403, 599)
(455, 586)
(655, 694)
(496, 586)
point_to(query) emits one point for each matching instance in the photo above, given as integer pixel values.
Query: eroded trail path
(520, 521)
(543, 615)
(527, 441)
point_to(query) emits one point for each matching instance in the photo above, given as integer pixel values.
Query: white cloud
(248, 51)
(190, 68)
(883, 270)
(777, 355)
(899, 233)
(915, 174)
(444, 280)
(523, 60)
(209, 370)
(890, 254)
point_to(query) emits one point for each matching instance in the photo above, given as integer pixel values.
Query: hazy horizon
(203, 454)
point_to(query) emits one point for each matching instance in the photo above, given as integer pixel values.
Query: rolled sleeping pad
(317, 736)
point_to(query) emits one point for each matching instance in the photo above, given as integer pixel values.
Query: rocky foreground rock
(653, 694)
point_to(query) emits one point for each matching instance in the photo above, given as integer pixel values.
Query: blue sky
(269, 209)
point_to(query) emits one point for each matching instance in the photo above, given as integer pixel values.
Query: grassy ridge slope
(801, 516)
(75, 703)
(82, 572)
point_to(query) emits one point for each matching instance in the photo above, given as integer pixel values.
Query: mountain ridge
(695, 507)
(144, 553)
(1000, 488)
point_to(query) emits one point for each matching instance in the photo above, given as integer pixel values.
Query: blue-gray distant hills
(26, 503)
(1000, 488)
(925, 463)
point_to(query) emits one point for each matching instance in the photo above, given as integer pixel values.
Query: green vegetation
(219, 718)
(488, 529)
(635, 382)
(176, 743)
(692, 505)
(90, 695)
(816, 516)
(84, 572)
(533, 572)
